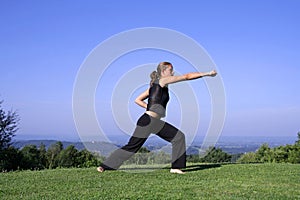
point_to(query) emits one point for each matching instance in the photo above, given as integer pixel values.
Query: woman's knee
(179, 137)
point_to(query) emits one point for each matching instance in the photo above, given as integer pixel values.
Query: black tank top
(158, 99)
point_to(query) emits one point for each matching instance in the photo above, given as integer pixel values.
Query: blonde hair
(156, 74)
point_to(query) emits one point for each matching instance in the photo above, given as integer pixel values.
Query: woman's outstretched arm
(140, 99)
(190, 76)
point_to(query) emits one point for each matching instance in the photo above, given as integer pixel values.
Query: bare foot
(177, 171)
(100, 169)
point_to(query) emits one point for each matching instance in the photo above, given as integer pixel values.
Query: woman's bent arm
(140, 99)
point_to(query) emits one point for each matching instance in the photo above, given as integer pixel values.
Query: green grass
(231, 181)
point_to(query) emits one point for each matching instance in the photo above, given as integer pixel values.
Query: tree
(294, 154)
(10, 159)
(31, 158)
(216, 155)
(9, 156)
(249, 157)
(8, 127)
(52, 155)
(298, 141)
(264, 153)
(281, 154)
(43, 156)
(87, 159)
(67, 157)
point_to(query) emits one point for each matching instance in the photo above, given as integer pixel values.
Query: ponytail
(153, 76)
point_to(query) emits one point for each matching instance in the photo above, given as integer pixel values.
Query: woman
(150, 121)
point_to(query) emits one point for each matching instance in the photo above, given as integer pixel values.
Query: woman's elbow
(139, 102)
(188, 77)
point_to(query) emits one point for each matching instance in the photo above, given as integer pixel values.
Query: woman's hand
(212, 73)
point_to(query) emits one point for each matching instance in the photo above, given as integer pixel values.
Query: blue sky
(254, 44)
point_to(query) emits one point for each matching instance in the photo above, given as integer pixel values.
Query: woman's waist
(153, 114)
(157, 110)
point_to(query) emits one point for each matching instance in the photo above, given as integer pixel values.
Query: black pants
(145, 126)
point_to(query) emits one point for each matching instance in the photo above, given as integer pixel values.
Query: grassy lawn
(232, 181)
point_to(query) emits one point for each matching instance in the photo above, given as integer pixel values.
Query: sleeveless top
(158, 99)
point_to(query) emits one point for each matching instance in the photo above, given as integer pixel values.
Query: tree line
(281, 154)
(38, 158)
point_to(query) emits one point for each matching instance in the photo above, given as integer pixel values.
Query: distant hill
(22, 143)
(231, 145)
(103, 148)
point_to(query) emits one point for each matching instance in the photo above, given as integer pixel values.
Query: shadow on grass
(189, 168)
(198, 167)
(141, 168)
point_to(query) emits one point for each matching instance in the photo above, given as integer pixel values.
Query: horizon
(222, 139)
